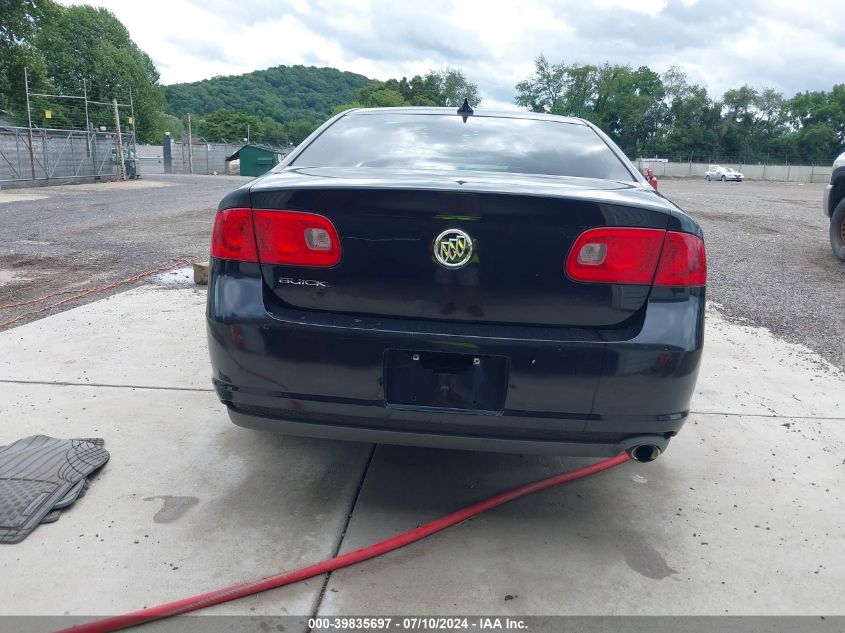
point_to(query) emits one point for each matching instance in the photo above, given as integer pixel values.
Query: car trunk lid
(510, 235)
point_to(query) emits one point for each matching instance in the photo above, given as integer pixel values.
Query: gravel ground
(76, 236)
(769, 256)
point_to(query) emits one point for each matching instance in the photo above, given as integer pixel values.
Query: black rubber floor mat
(39, 476)
(51, 517)
(73, 494)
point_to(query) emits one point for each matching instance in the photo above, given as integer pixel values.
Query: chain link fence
(67, 138)
(48, 156)
(208, 158)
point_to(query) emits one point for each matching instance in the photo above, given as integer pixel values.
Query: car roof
(501, 114)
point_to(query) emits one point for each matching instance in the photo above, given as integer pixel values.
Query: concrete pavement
(188, 501)
(743, 515)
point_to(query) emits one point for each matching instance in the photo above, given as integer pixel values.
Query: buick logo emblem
(453, 248)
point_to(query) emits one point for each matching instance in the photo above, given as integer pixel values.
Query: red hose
(240, 590)
(84, 292)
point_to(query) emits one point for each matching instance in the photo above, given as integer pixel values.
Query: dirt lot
(76, 236)
(770, 261)
(769, 258)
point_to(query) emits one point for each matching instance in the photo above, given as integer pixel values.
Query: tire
(707, 178)
(723, 179)
(837, 230)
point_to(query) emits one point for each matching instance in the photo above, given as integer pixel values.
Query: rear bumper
(571, 391)
(362, 433)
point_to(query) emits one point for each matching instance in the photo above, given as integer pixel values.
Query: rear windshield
(445, 142)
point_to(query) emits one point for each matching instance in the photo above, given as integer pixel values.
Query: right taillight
(627, 255)
(682, 261)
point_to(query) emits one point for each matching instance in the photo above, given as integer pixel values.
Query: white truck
(834, 206)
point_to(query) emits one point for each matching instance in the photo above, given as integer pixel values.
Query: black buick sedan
(500, 281)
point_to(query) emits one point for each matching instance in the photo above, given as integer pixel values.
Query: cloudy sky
(789, 45)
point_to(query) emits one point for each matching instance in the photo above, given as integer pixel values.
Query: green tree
(385, 98)
(627, 106)
(230, 127)
(646, 113)
(283, 93)
(274, 132)
(690, 123)
(580, 92)
(437, 88)
(817, 121)
(169, 123)
(366, 92)
(87, 43)
(344, 106)
(19, 22)
(298, 130)
(753, 123)
(626, 103)
(420, 90)
(544, 90)
(452, 87)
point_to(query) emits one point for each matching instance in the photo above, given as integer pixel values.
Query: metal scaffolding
(69, 137)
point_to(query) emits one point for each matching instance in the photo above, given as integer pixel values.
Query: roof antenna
(465, 110)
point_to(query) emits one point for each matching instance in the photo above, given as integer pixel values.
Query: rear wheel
(837, 230)
(707, 178)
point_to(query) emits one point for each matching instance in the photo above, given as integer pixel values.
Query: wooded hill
(281, 93)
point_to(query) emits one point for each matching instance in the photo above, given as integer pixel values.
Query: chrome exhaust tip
(644, 453)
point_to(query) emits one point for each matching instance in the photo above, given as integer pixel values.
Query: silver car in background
(717, 172)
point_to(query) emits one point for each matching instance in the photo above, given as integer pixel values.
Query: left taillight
(296, 238)
(269, 236)
(233, 236)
